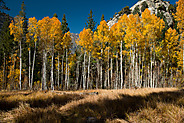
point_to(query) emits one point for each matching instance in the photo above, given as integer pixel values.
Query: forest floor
(114, 106)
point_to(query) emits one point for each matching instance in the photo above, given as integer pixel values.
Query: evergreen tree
(55, 15)
(102, 18)
(22, 13)
(3, 6)
(144, 6)
(25, 53)
(64, 25)
(136, 10)
(90, 22)
(6, 46)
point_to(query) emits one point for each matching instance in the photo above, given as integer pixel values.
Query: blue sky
(76, 10)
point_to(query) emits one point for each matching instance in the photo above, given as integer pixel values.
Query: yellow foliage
(16, 28)
(86, 39)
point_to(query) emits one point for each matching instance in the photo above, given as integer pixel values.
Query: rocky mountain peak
(155, 6)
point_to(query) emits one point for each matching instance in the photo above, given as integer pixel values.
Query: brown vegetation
(127, 105)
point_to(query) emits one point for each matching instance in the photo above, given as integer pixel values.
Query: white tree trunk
(130, 70)
(44, 70)
(133, 82)
(88, 79)
(108, 80)
(139, 81)
(32, 75)
(151, 71)
(142, 73)
(111, 72)
(117, 73)
(29, 66)
(121, 66)
(98, 74)
(58, 72)
(154, 71)
(171, 78)
(68, 79)
(52, 69)
(136, 67)
(62, 67)
(84, 74)
(77, 76)
(66, 71)
(101, 69)
(20, 66)
(148, 84)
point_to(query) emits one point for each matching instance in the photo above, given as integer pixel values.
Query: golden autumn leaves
(132, 50)
(140, 39)
(47, 32)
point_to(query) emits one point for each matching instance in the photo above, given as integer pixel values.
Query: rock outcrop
(155, 6)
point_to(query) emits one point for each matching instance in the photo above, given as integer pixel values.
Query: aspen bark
(139, 81)
(136, 67)
(52, 72)
(58, 72)
(77, 76)
(142, 72)
(66, 71)
(44, 70)
(130, 69)
(29, 66)
(98, 74)
(32, 75)
(68, 79)
(111, 73)
(62, 71)
(88, 79)
(101, 70)
(20, 66)
(117, 77)
(121, 66)
(84, 72)
(108, 80)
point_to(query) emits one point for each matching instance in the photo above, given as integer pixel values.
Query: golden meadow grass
(126, 105)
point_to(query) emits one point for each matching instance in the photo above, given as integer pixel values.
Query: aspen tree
(179, 16)
(102, 35)
(67, 43)
(54, 33)
(16, 29)
(86, 41)
(44, 28)
(32, 35)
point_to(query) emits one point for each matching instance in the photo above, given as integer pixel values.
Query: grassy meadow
(114, 106)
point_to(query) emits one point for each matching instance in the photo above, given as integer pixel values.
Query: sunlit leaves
(16, 28)
(86, 39)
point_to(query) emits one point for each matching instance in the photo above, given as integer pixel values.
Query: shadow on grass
(102, 110)
(119, 108)
(59, 100)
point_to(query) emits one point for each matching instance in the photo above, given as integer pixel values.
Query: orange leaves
(180, 15)
(32, 26)
(86, 39)
(49, 30)
(55, 28)
(44, 26)
(16, 28)
(103, 32)
(67, 39)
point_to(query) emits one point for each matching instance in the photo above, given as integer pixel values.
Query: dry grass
(127, 105)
